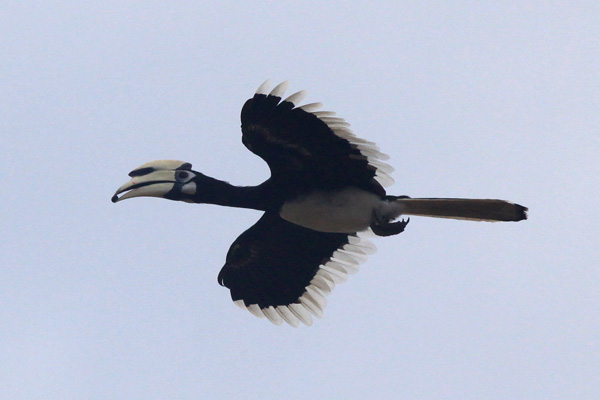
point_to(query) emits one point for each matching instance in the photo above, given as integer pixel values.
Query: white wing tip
(280, 89)
(296, 97)
(240, 304)
(272, 315)
(256, 311)
(288, 316)
(311, 107)
(264, 87)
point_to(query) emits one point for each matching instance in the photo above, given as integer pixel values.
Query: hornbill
(326, 187)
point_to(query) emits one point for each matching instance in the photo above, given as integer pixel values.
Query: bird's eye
(182, 175)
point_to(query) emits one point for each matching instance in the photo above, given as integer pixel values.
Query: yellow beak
(154, 184)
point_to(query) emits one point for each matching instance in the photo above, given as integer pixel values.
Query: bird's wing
(306, 147)
(284, 271)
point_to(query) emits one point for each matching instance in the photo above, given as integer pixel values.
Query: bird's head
(170, 179)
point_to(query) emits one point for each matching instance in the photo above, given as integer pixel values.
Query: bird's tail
(470, 209)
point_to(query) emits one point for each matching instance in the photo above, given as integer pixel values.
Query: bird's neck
(214, 191)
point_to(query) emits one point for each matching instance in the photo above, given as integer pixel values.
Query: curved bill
(153, 184)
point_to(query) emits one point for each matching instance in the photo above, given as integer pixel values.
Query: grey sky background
(477, 99)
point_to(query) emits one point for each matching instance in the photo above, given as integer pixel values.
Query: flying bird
(326, 188)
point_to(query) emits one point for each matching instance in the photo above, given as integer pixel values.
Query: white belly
(346, 211)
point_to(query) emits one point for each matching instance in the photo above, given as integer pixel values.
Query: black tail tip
(521, 212)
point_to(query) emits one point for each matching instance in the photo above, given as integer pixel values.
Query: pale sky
(469, 99)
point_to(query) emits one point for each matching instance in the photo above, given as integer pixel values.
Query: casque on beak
(153, 179)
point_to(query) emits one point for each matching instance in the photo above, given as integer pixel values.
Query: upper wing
(284, 271)
(310, 148)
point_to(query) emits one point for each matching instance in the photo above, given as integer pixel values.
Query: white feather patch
(264, 88)
(311, 306)
(255, 310)
(287, 315)
(338, 275)
(384, 180)
(383, 167)
(240, 304)
(321, 284)
(324, 113)
(326, 276)
(315, 296)
(301, 313)
(280, 89)
(272, 315)
(296, 97)
(342, 268)
(361, 247)
(345, 257)
(311, 107)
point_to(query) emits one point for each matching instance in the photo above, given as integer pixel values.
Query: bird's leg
(389, 228)
(382, 217)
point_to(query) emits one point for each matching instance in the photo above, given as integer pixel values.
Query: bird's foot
(387, 228)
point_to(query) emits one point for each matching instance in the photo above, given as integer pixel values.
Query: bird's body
(326, 186)
(346, 210)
